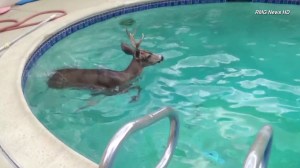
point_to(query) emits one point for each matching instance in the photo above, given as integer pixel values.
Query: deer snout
(161, 58)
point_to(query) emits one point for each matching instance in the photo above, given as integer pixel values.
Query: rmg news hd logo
(272, 12)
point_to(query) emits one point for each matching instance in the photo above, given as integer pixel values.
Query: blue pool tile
(147, 7)
(277, 1)
(140, 8)
(103, 17)
(108, 15)
(129, 10)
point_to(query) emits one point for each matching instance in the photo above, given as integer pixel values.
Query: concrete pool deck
(27, 142)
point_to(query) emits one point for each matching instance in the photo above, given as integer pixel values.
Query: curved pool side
(23, 137)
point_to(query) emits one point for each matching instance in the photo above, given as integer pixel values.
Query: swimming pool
(218, 74)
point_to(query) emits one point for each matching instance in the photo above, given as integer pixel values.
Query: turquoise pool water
(226, 71)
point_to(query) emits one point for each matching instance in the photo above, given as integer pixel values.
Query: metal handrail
(131, 127)
(258, 155)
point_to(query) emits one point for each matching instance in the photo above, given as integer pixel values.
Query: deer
(106, 81)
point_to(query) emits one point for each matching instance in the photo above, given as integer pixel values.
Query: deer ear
(128, 50)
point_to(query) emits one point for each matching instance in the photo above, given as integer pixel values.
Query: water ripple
(169, 45)
(171, 54)
(206, 61)
(278, 86)
(182, 30)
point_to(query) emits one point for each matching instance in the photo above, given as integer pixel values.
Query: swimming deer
(106, 81)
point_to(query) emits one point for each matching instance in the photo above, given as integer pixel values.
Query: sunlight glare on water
(226, 71)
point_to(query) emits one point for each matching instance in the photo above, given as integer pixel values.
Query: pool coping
(23, 137)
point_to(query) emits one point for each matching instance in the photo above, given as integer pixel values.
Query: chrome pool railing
(131, 127)
(258, 155)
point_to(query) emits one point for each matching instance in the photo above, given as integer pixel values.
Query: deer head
(144, 57)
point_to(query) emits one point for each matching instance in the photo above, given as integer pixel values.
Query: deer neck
(133, 70)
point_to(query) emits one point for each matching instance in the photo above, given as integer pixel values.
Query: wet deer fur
(106, 80)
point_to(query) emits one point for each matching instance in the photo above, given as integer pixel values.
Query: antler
(131, 37)
(135, 44)
(140, 41)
